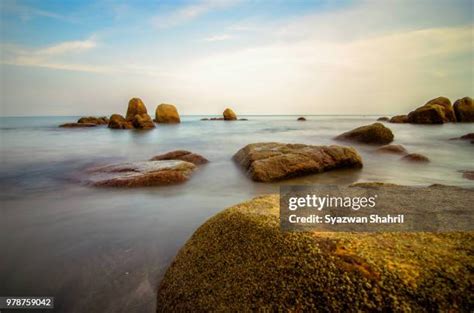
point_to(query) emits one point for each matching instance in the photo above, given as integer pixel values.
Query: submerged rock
(117, 121)
(142, 174)
(399, 119)
(77, 125)
(241, 261)
(383, 119)
(182, 155)
(396, 149)
(375, 133)
(469, 136)
(464, 110)
(468, 174)
(272, 161)
(416, 157)
(435, 111)
(229, 115)
(167, 113)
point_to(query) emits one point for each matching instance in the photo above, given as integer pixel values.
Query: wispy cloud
(217, 38)
(26, 13)
(188, 13)
(50, 56)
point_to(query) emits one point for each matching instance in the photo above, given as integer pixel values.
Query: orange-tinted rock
(229, 115)
(135, 106)
(143, 121)
(399, 119)
(383, 119)
(167, 113)
(94, 120)
(77, 125)
(435, 111)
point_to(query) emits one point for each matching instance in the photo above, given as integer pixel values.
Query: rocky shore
(240, 261)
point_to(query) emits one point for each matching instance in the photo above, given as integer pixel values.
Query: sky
(257, 57)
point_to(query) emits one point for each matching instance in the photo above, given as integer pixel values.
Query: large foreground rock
(464, 110)
(167, 113)
(240, 261)
(272, 161)
(141, 174)
(182, 155)
(229, 115)
(435, 111)
(375, 133)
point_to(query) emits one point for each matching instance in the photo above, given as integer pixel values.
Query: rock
(103, 120)
(229, 115)
(77, 125)
(464, 110)
(182, 155)
(205, 119)
(415, 157)
(396, 149)
(435, 111)
(301, 119)
(142, 174)
(167, 113)
(143, 121)
(240, 261)
(469, 136)
(383, 119)
(399, 119)
(468, 174)
(375, 133)
(117, 121)
(271, 161)
(243, 119)
(135, 106)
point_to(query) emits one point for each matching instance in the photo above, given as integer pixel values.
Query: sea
(105, 250)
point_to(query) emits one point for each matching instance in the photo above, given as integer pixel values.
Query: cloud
(218, 38)
(188, 13)
(54, 56)
(26, 13)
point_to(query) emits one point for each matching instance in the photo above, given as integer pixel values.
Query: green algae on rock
(240, 261)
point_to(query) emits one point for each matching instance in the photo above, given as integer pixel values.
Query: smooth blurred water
(104, 250)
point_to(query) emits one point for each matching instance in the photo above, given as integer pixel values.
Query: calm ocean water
(104, 250)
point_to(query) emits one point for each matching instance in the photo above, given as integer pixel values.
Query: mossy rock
(240, 261)
(375, 133)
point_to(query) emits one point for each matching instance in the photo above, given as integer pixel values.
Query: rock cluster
(439, 111)
(136, 117)
(375, 133)
(272, 161)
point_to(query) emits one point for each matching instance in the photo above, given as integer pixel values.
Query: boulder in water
(395, 149)
(435, 111)
(229, 115)
(117, 121)
(399, 119)
(182, 155)
(375, 133)
(464, 110)
(416, 157)
(167, 113)
(272, 161)
(135, 106)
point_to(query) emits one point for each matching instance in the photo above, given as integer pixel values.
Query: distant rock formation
(301, 119)
(167, 113)
(464, 110)
(383, 119)
(117, 121)
(399, 119)
(137, 117)
(229, 115)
